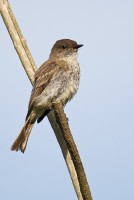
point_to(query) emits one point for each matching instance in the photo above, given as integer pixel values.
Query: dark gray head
(65, 48)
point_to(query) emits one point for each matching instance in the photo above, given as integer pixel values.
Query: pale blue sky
(101, 116)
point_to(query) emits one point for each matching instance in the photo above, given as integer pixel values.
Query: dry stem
(30, 68)
(63, 123)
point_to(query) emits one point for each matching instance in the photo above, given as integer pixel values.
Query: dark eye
(64, 47)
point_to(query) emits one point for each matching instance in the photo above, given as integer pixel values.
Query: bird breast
(71, 83)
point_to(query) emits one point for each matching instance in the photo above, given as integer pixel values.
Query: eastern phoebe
(57, 80)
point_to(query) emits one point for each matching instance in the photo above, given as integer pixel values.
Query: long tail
(21, 141)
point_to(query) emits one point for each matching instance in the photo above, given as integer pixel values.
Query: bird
(57, 80)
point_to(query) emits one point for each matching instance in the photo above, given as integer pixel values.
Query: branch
(30, 68)
(18, 40)
(66, 153)
(21, 48)
(63, 123)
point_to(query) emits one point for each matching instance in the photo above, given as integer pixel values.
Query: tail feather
(21, 141)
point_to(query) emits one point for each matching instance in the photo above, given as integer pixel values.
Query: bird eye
(64, 47)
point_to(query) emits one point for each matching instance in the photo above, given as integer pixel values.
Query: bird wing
(43, 77)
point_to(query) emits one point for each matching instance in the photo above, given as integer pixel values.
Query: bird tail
(21, 141)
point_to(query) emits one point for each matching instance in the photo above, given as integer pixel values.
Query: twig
(17, 41)
(63, 123)
(30, 68)
(66, 153)
(15, 34)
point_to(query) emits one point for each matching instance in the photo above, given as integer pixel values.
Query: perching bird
(57, 80)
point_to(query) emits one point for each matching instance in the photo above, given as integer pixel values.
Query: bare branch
(16, 38)
(63, 123)
(66, 153)
(30, 68)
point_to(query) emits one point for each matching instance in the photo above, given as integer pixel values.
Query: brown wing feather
(42, 78)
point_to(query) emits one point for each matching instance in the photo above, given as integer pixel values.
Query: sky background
(101, 116)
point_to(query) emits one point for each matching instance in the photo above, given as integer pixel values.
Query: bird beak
(79, 45)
